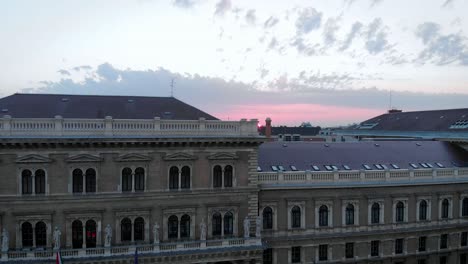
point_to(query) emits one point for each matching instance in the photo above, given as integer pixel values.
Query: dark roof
(98, 106)
(304, 131)
(434, 120)
(354, 154)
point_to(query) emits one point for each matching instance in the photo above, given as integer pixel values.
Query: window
(463, 258)
(323, 252)
(139, 229)
(228, 176)
(399, 246)
(268, 256)
(422, 244)
(228, 224)
(334, 167)
(185, 226)
(174, 178)
(375, 248)
(323, 215)
(90, 181)
(349, 250)
(39, 182)
(296, 217)
(173, 227)
(185, 178)
(445, 209)
(350, 214)
(126, 230)
(414, 166)
(443, 241)
(328, 168)
(400, 212)
(396, 167)
(77, 175)
(90, 234)
(27, 234)
(424, 165)
(367, 167)
(346, 167)
(315, 168)
(423, 210)
(267, 216)
(464, 239)
(378, 166)
(217, 176)
(281, 168)
(465, 206)
(41, 234)
(440, 165)
(274, 168)
(293, 168)
(421, 261)
(26, 180)
(443, 260)
(375, 213)
(77, 234)
(139, 179)
(216, 224)
(295, 254)
(126, 180)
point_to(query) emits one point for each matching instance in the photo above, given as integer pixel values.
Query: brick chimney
(268, 128)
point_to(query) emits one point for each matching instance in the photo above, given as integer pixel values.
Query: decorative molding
(223, 156)
(33, 158)
(83, 158)
(180, 156)
(132, 157)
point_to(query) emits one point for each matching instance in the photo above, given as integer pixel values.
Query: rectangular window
(443, 241)
(395, 166)
(463, 258)
(424, 165)
(367, 167)
(464, 239)
(281, 168)
(422, 244)
(323, 252)
(295, 254)
(421, 261)
(346, 167)
(443, 260)
(274, 168)
(293, 168)
(399, 246)
(349, 250)
(375, 244)
(414, 165)
(316, 168)
(268, 256)
(328, 167)
(440, 165)
(378, 166)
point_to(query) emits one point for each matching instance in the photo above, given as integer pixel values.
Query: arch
(228, 170)
(228, 224)
(126, 230)
(375, 213)
(126, 180)
(423, 210)
(323, 215)
(349, 216)
(27, 234)
(465, 206)
(91, 234)
(400, 212)
(26, 181)
(139, 179)
(174, 178)
(445, 208)
(185, 226)
(173, 227)
(296, 217)
(217, 176)
(41, 234)
(185, 178)
(40, 179)
(77, 181)
(267, 216)
(139, 229)
(77, 234)
(90, 181)
(216, 224)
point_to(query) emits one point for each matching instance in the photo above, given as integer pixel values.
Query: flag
(58, 258)
(136, 256)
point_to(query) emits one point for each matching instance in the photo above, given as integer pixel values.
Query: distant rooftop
(304, 131)
(98, 106)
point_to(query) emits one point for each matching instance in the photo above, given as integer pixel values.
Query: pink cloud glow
(295, 114)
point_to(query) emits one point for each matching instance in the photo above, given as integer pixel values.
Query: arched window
(41, 234)
(90, 234)
(139, 179)
(174, 178)
(185, 178)
(228, 176)
(90, 181)
(27, 234)
(126, 230)
(323, 215)
(40, 182)
(217, 176)
(26, 181)
(185, 226)
(267, 216)
(228, 224)
(77, 181)
(216, 224)
(423, 210)
(77, 234)
(445, 208)
(139, 229)
(375, 213)
(296, 217)
(126, 180)
(349, 214)
(465, 206)
(400, 212)
(173, 227)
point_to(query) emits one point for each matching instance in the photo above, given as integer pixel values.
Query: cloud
(427, 31)
(329, 31)
(447, 3)
(64, 72)
(375, 2)
(273, 43)
(250, 17)
(376, 37)
(108, 72)
(355, 30)
(309, 19)
(222, 7)
(271, 22)
(82, 67)
(184, 3)
(304, 48)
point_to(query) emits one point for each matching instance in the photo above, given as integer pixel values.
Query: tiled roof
(303, 155)
(98, 106)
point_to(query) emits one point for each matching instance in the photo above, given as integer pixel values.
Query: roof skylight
(367, 167)
(315, 167)
(293, 168)
(414, 165)
(395, 166)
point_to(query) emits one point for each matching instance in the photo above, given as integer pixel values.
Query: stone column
(83, 240)
(34, 234)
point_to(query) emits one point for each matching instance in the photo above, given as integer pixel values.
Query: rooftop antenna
(172, 87)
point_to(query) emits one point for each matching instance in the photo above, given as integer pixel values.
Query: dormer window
(315, 167)
(274, 168)
(367, 167)
(395, 166)
(440, 165)
(414, 165)
(346, 167)
(293, 168)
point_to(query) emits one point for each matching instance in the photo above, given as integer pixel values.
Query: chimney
(268, 128)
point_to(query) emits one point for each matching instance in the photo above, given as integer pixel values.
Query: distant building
(288, 133)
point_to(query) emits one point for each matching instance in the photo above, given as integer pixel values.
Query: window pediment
(132, 157)
(180, 156)
(223, 156)
(33, 158)
(83, 158)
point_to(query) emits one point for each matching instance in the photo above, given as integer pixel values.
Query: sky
(333, 62)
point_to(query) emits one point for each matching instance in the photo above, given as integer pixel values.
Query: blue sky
(327, 62)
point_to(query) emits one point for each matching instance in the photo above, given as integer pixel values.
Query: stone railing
(108, 127)
(130, 250)
(360, 176)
